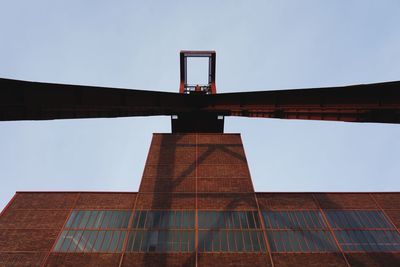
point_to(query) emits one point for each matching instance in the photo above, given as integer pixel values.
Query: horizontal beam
(22, 100)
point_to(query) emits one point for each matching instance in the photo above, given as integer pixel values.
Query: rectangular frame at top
(211, 68)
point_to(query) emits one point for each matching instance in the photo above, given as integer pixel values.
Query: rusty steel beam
(378, 102)
(21, 100)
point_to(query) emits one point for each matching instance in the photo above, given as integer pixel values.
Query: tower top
(186, 88)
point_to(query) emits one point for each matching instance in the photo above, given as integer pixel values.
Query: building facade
(196, 206)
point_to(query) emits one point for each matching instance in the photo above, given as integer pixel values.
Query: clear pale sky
(260, 45)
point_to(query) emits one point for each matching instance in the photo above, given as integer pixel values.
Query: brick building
(196, 206)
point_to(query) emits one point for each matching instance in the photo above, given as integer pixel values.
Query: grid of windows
(298, 231)
(230, 231)
(357, 219)
(162, 231)
(228, 220)
(94, 231)
(363, 230)
(161, 241)
(90, 241)
(98, 219)
(368, 240)
(145, 219)
(231, 241)
(293, 220)
(301, 241)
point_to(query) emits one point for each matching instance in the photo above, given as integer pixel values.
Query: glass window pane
(106, 220)
(155, 219)
(262, 241)
(301, 241)
(145, 241)
(243, 220)
(256, 219)
(84, 219)
(60, 240)
(255, 241)
(114, 241)
(228, 219)
(285, 241)
(142, 219)
(75, 240)
(70, 219)
(131, 239)
(239, 240)
(92, 219)
(150, 240)
(125, 221)
(236, 220)
(91, 240)
(207, 240)
(99, 241)
(295, 220)
(191, 240)
(135, 221)
(216, 241)
(121, 241)
(266, 219)
(368, 240)
(185, 240)
(177, 241)
(106, 241)
(99, 219)
(122, 219)
(294, 240)
(137, 240)
(250, 219)
(231, 241)
(171, 223)
(114, 219)
(164, 217)
(201, 219)
(84, 239)
(77, 219)
(212, 220)
(224, 241)
(357, 219)
(273, 244)
(169, 240)
(247, 241)
(178, 220)
(311, 243)
(67, 241)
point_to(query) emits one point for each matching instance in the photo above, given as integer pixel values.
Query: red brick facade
(191, 172)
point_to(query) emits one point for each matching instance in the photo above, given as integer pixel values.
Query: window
(99, 219)
(144, 231)
(94, 231)
(369, 240)
(161, 241)
(301, 241)
(162, 231)
(293, 220)
(230, 231)
(360, 219)
(363, 230)
(145, 219)
(298, 231)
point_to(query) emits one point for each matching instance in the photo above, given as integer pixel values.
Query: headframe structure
(196, 204)
(198, 106)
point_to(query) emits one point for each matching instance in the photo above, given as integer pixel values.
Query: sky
(260, 45)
